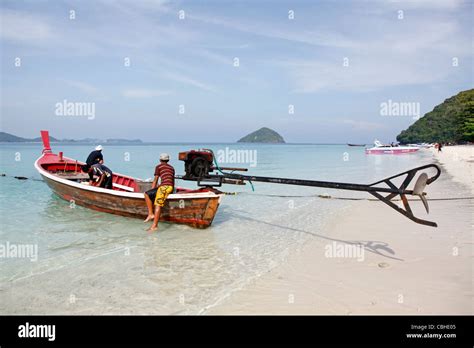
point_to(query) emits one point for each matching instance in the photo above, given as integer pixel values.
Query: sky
(166, 71)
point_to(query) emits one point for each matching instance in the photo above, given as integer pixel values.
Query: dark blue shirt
(94, 157)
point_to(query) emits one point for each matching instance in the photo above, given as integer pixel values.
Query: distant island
(450, 122)
(10, 138)
(263, 135)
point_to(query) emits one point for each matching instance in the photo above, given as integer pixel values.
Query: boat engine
(197, 163)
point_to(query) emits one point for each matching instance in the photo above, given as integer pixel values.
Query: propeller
(401, 190)
(420, 185)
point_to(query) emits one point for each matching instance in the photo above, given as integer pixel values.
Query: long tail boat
(66, 179)
(198, 207)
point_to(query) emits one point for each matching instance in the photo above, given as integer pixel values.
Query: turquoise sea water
(92, 262)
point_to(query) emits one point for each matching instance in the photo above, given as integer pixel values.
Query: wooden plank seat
(72, 175)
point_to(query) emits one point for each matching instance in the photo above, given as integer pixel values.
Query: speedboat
(381, 149)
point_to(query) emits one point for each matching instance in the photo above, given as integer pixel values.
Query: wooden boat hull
(196, 212)
(195, 208)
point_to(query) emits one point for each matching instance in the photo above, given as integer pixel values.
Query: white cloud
(83, 86)
(218, 58)
(412, 53)
(188, 81)
(425, 4)
(23, 27)
(144, 93)
(382, 52)
(269, 30)
(136, 7)
(405, 52)
(98, 28)
(362, 74)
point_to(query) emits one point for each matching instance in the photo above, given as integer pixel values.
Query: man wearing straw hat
(164, 172)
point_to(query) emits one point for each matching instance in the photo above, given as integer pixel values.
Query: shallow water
(92, 262)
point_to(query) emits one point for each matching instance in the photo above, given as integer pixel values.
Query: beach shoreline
(406, 268)
(458, 161)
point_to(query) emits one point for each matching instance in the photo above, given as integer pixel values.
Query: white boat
(381, 149)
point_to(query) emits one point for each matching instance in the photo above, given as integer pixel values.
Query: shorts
(158, 195)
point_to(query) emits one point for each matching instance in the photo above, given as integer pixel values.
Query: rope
(223, 173)
(344, 198)
(289, 196)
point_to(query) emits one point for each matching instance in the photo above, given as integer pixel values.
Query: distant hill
(121, 141)
(263, 135)
(6, 137)
(451, 121)
(10, 138)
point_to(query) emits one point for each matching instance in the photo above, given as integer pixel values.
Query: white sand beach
(458, 161)
(406, 268)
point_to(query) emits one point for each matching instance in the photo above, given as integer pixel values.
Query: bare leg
(149, 205)
(154, 227)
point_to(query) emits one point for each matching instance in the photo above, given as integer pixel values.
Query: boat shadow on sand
(375, 247)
